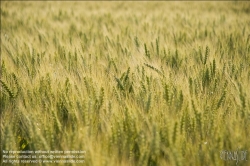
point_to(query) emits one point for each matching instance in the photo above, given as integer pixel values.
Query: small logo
(238, 155)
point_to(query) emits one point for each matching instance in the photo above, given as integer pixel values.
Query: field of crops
(130, 83)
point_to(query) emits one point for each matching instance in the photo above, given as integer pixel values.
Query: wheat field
(130, 83)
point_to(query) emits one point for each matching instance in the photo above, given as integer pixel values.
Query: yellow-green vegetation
(131, 83)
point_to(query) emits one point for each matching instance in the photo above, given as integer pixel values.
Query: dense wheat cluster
(131, 83)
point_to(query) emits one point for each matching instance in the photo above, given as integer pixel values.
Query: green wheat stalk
(8, 89)
(154, 68)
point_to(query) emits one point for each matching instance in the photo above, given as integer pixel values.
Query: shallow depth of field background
(131, 83)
